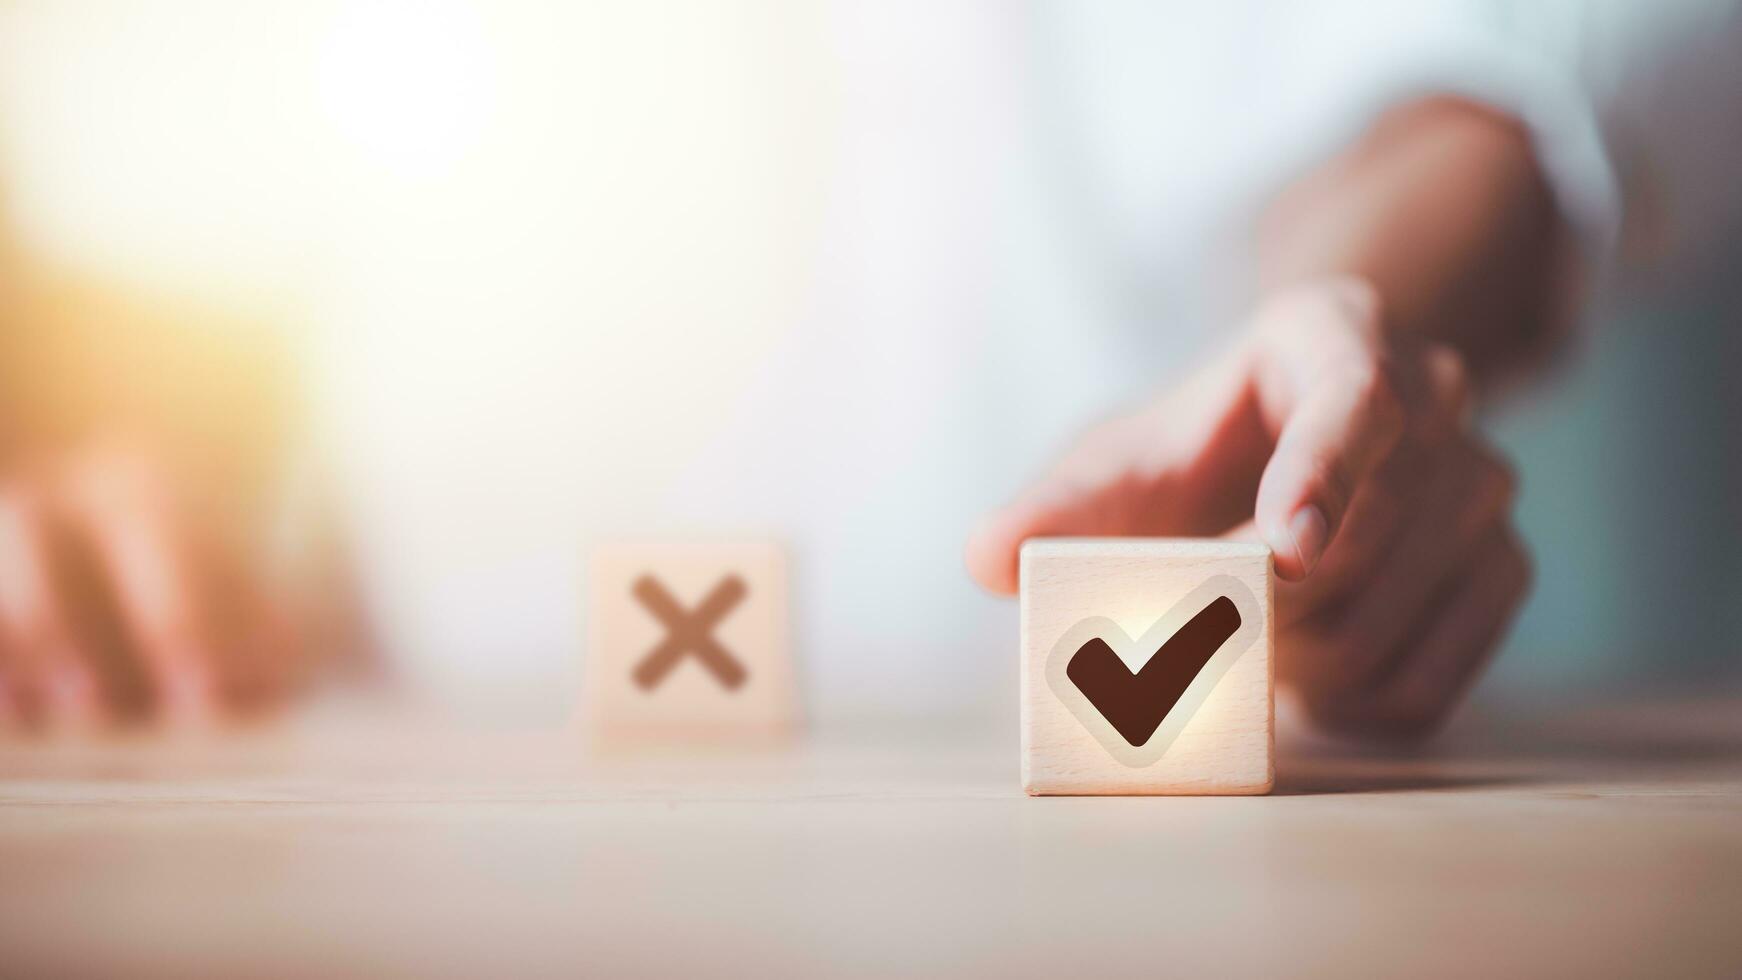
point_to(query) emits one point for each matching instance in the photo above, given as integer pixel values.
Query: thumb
(995, 545)
(1184, 465)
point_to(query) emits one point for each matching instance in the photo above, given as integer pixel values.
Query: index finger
(1340, 411)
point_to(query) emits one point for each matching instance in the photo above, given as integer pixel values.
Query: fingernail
(1308, 530)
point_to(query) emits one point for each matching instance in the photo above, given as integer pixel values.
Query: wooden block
(688, 641)
(1146, 667)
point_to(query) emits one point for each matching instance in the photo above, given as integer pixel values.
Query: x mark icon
(689, 632)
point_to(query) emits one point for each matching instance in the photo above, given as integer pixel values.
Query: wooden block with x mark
(688, 640)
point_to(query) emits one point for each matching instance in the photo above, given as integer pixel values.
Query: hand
(120, 601)
(1349, 453)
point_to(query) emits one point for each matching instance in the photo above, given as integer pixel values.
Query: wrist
(1442, 207)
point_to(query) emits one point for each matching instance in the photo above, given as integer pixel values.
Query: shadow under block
(688, 641)
(1146, 667)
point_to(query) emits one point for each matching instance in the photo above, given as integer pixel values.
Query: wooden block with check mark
(688, 640)
(1146, 667)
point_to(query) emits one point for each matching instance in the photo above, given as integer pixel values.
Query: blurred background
(408, 304)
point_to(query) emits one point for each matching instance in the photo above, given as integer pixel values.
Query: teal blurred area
(1630, 457)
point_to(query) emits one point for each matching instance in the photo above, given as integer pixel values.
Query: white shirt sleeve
(1635, 109)
(1666, 81)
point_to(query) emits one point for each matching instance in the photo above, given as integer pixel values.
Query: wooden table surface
(1592, 842)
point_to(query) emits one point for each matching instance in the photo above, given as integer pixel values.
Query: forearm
(1441, 205)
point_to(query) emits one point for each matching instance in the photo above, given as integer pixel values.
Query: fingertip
(1298, 543)
(992, 553)
(1299, 505)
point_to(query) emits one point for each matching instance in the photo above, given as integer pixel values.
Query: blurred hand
(121, 600)
(1388, 517)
